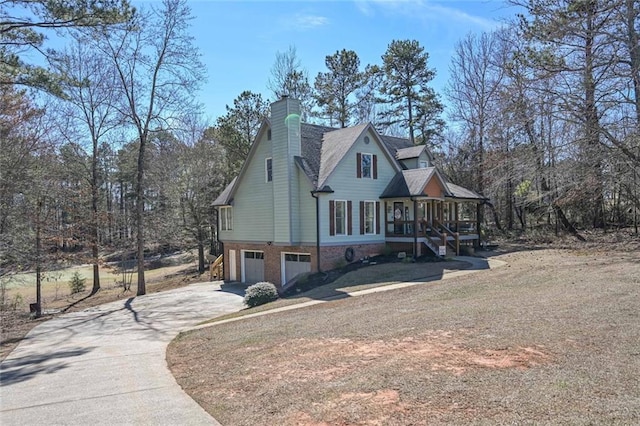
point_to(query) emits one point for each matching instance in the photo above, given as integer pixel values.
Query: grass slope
(552, 338)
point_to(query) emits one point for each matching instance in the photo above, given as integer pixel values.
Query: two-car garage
(252, 265)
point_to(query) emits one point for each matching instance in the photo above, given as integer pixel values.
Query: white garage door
(294, 264)
(253, 266)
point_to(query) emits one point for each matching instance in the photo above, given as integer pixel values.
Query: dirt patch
(552, 337)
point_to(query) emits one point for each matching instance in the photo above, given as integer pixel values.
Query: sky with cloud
(239, 39)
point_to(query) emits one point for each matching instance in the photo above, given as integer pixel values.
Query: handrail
(456, 236)
(217, 262)
(216, 268)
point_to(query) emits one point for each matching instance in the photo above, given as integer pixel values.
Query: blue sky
(238, 40)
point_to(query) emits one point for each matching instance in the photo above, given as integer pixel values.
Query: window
(340, 214)
(269, 134)
(294, 257)
(268, 169)
(424, 164)
(369, 217)
(366, 166)
(253, 255)
(340, 217)
(226, 219)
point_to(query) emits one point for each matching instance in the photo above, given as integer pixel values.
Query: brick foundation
(331, 256)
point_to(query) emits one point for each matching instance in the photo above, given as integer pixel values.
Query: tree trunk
(200, 256)
(565, 222)
(496, 218)
(140, 218)
(592, 125)
(38, 263)
(94, 219)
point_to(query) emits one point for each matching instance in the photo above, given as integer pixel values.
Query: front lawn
(554, 337)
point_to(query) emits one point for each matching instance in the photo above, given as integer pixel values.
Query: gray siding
(348, 187)
(410, 163)
(253, 201)
(307, 218)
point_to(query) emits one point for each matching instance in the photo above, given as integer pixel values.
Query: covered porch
(424, 212)
(428, 223)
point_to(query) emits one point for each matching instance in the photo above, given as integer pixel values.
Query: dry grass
(361, 279)
(552, 338)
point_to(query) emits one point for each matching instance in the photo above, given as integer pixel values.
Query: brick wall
(332, 257)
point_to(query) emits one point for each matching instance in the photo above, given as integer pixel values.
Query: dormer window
(424, 164)
(268, 169)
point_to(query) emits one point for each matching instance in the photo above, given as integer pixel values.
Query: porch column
(415, 228)
(478, 219)
(384, 220)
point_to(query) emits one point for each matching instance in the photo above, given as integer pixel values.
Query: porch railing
(455, 244)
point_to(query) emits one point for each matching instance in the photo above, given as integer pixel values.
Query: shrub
(77, 283)
(259, 294)
(386, 251)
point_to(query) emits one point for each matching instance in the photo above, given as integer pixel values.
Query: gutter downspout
(314, 194)
(224, 264)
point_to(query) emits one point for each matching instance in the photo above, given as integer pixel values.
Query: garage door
(253, 266)
(296, 263)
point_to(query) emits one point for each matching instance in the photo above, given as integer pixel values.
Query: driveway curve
(106, 365)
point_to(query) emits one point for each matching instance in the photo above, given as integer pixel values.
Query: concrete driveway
(106, 365)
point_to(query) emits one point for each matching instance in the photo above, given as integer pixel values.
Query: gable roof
(411, 152)
(322, 149)
(335, 145)
(412, 182)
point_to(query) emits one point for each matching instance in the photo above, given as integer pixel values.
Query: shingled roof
(411, 152)
(323, 147)
(224, 199)
(464, 193)
(411, 183)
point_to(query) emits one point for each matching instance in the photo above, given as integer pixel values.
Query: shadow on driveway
(27, 367)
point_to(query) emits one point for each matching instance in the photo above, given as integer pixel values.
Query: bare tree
(158, 69)
(476, 77)
(289, 78)
(91, 106)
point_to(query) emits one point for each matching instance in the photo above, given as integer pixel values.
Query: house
(310, 198)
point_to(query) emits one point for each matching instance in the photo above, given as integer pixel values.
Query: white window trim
(227, 223)
(335, 216)
(362, 154)
(266, 170)
(364, 216)
(421, 162)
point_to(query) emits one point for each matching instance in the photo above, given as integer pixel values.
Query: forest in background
(106, 149)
